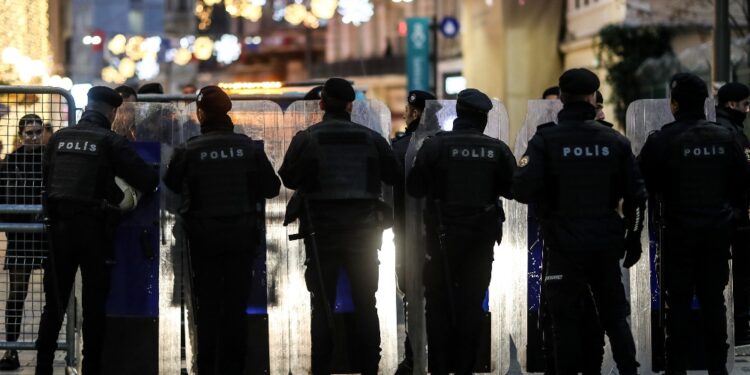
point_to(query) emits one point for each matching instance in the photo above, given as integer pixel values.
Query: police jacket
(221, 174)
(465, 172)
(576, 173)
(733, 120)
(697, 170)
(338, 166)
(81, 162)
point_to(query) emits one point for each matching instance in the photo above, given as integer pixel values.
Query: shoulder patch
(524, 161)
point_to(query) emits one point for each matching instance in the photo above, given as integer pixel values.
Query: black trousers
(591, 339)
(453, 340)
(358, 256)
(221, 260)
(695, 265)
(18, 278)
(572, 279)
(85, 242)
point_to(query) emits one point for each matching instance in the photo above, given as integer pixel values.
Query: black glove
(632, 249)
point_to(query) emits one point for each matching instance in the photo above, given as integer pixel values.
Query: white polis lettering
(84, 146)
(222, 154)
(590, 151)
(701, 151)
(472, 152)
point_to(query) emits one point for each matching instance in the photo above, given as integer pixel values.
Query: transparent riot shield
(144, 302)
(644, 117)
(298, 116)
(491, 355)
(524, 265)
(268, 318)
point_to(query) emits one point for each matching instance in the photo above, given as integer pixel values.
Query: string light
(295, 13)
(323, 9)
(356, 12)
(27, 33)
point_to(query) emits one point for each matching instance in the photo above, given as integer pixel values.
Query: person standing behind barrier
(223, 178)
(462, 173)
(412, 116)
(21, 183)
(731, 111)
(79, 168)
(698, 172)
(576, 173)
(336, 167)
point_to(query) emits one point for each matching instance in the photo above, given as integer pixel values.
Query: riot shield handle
(312, 246)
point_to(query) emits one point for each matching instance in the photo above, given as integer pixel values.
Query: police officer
(412, 116)
(462, 173)
(698, 172)
(576, 173)
(223, 178)
(732, 109)
(336, 167)
(80, 165)
(591, 332)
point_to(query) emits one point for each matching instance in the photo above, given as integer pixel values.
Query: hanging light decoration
(148, 68)
(203, 48)
(323, 9)
(134, 48)
(311, 22)
(356, 12)
(212, 2)
(252, 12)
(183, 56)
(228, 49)
(116, 45)
(126, 67)
(295, 13)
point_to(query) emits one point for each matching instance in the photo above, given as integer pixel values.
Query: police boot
(9, 361)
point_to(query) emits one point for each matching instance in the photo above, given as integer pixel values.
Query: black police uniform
(592, 333)
(223, 178)
(416, 99)
(576, 173)
(462, 173)
(337, 166)
(734, 121)
(697, 171)
(80, 164)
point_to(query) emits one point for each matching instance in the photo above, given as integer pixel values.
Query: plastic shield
(148, 258)
(524, 249)
(644, 117)
(439, 116)
(298, 116)
(268, 319)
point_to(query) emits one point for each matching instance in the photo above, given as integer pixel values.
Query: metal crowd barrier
(23, 245)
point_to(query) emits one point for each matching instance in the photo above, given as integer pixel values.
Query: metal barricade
(28, 117)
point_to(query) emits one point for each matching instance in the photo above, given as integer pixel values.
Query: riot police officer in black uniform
(462, 173)
(80, 165)
(576, 173)
(412, 115)
(336, 167)
(223, 178)
(731, 111)
(697, 171)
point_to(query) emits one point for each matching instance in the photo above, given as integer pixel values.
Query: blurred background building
(511, 49)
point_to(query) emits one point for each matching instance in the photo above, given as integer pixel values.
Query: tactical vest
(347, 161)
(700, 159)
(585, 172)
(80, 168)
(221, 175)
(467, 165)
